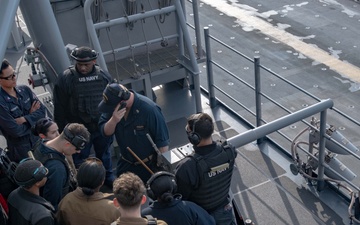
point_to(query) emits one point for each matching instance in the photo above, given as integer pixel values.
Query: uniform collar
(206, 149)
(8, 97)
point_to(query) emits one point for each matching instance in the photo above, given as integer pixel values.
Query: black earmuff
(40, 173)
(75, 55)
(77, 140)
(37, 176)
(194, 137)
(171, 176)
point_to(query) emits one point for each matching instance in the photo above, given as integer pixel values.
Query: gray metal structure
(7, 14)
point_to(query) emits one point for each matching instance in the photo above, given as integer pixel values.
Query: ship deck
(263, 187)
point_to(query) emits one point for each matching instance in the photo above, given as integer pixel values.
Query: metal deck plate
(262, 188)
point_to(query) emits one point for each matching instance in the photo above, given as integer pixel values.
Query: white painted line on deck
(343, 68)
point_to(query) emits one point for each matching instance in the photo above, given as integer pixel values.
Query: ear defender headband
(123, 93)
(37, 175)
(77, 140)
(171, 176)
(194, 137)
(84, 57)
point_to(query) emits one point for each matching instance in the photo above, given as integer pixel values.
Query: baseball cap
(113, 94)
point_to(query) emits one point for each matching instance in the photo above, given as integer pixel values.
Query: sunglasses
(10, 77)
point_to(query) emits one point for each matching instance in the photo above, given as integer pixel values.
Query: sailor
(129, 191)
(205, 176)
(25, 204)
(51, 154)
(169, 206)
(87, 204)
(131, 124)
(76, 97)
(19, 111)
(47, 130)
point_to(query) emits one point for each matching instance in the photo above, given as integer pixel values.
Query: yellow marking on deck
(343, 68)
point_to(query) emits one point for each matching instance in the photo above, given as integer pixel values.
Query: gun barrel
(153, 144)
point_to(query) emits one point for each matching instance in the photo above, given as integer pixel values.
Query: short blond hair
(129, 189)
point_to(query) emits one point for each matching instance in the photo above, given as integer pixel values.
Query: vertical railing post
(258, 94)
(197, 28)
(209, 70)
(321, 168)
(193, 62)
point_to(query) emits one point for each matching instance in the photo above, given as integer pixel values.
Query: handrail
(210, 62)
(184, 36)
(258, 132)
(92, 28)
(262, 130)
(207, 35)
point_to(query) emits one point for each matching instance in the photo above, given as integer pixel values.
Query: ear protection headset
(77, 140)
(75, 55)
(123, 93)
(171, 176)
(194, 137)
(37, 176)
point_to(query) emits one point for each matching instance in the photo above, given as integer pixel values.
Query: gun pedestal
(176, 154)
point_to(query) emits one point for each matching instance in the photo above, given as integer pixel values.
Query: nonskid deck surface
(264, 188)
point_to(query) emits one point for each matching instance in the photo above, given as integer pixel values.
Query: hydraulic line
(339, 184)
(131, 9)
(97, 12)
(43, 57)
(137, 74)
(163, 4)
(112, 48)
(147, 44)
(164, 42)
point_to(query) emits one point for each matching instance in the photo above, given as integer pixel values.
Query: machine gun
(6, 165)
(161, 160)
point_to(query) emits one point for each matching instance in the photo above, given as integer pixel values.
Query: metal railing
(261, 131)
(182, 35)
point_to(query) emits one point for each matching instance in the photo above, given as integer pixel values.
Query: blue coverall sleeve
(7, 120)
(9, 125)
(103, 119)
(37, 114)
(158, 128)
(61, 102)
